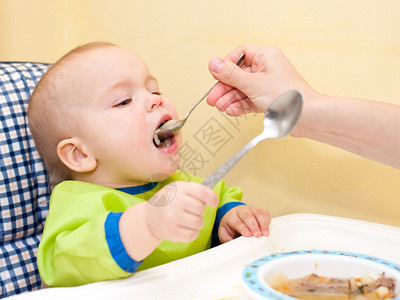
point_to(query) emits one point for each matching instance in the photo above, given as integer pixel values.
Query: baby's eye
(156, 93)
(123, 103)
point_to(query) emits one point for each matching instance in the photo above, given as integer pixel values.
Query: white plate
(216, 274)
(295, 264)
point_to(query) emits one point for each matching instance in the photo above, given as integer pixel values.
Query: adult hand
(266, 75)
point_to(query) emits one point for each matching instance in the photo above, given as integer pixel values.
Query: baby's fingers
(183, 235)
(263, 219)
(190, 221)
(235, 225)
(250, 221)
(226, 234)
(200, 192)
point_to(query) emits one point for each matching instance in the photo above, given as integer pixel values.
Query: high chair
(24, 188)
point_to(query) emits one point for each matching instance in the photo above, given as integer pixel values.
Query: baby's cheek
(171, 109)
(140, 125)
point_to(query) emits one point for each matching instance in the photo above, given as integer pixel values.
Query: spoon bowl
(279, 121)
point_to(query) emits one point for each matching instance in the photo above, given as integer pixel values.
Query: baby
(120, 205)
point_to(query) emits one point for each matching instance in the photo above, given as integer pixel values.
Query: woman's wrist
(314, 105)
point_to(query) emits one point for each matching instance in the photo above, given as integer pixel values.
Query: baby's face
(119, 108)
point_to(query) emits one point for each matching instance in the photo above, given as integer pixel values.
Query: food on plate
(314, 287)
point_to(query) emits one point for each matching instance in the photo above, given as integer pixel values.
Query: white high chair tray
(216, 274)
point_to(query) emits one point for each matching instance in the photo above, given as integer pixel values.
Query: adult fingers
(230, 74)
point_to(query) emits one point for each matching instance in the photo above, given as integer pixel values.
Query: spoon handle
(212, 180)
(239, 63)
(164, 132)
(198, 101)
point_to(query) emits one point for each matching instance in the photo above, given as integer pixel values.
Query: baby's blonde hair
(48, 116)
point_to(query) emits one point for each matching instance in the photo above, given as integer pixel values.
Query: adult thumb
(229, 73)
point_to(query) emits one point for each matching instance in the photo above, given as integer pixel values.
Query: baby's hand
(244, 220)
(181, 218)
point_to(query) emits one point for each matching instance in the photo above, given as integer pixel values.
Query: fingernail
(246, 233)
(216, 65)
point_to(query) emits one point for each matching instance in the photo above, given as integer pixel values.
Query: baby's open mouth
(164, 140)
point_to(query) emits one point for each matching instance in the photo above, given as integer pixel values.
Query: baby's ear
(72, 153)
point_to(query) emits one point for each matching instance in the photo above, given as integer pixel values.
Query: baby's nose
(154, 102)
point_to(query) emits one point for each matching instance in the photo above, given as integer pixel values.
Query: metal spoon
(171, 127)
(280, 119)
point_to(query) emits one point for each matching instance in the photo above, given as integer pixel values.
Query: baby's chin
(163, 174)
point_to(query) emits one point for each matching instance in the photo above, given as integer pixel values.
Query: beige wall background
(342, 47)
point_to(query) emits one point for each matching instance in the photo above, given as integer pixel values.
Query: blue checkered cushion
(24, 192)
